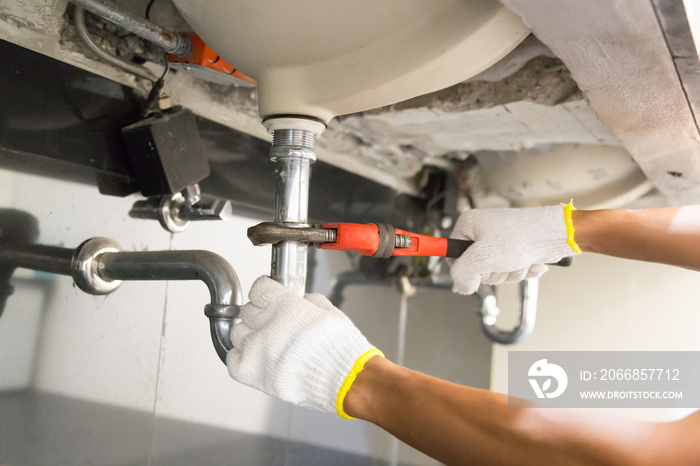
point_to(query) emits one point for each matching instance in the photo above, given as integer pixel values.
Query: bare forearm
(462, 425)
(668, 235)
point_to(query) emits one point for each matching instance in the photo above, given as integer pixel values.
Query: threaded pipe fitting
(297, 138)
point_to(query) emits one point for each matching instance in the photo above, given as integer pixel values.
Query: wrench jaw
(274, 233)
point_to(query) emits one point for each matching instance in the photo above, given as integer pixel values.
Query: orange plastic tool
(202, 55)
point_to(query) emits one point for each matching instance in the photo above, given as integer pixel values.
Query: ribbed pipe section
(295, 138)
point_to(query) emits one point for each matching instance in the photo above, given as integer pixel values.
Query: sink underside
(536, 96)
(323, 59)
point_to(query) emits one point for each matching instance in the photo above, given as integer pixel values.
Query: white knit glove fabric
(297, 349)
(509, 245)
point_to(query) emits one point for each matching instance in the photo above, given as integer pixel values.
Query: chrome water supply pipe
(98, 266)
(172, 42)
(293, 150)
(81, 29)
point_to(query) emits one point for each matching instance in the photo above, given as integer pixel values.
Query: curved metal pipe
(172, 42)
(527, 313)
(224, 287)
(355, 277)
(488, 312)
(346, 279)
(220, 325)
(49, 259)
(212, 269)
(98, 266)
(79, 21)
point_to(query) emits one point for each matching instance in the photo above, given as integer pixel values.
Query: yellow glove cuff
(352, 375)
(568, 208)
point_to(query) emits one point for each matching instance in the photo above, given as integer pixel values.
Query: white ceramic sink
(322, 58)
(595, 176)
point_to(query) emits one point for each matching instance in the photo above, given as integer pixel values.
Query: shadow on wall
(22, 324)
(16, 226)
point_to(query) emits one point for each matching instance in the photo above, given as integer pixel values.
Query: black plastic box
(166, 152)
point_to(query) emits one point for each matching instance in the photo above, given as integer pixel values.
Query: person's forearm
(669, 235)
(462, 425)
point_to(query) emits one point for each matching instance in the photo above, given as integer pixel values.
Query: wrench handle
(455, 247)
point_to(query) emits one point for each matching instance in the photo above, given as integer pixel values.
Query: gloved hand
(510, 245)
(299, 350)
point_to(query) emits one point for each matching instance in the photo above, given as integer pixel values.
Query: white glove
(509, 245)
(298, 350)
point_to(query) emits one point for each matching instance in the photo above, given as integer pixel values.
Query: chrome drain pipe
(527, 313)
(98, 267)
(293, 150)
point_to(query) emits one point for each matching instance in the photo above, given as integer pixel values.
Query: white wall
(20, 330)
(147, 345)
(96, 348)
(607, 304)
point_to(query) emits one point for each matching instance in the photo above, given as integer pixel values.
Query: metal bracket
(85, 266)
(175, 212)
